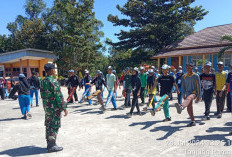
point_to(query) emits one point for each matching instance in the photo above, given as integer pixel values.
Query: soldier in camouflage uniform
(54, 104)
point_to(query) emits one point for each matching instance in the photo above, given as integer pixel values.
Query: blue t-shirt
(229, 79)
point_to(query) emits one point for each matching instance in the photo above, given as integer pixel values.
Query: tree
(223, 50)
(30, 31)
(74, 33)
(154, 24)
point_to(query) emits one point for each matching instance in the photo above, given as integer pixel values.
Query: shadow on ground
(218, 139)
(24, 151)
(9, 119)
(118, 116)
(146, 124)
(169, 129)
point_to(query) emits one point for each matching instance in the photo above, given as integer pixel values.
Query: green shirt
(127, 79)
(53, 99)
(110, 78)
(143, 78)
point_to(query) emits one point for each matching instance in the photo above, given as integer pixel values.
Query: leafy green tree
(154, 24)
(223, 50)
(74, 33)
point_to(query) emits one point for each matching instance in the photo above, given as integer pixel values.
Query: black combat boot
(52, 147)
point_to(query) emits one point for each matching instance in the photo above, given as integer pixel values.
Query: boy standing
(220, 82)
(54, 104)
(111, 86)
(143, 78)
(136, 85)
(208, 85)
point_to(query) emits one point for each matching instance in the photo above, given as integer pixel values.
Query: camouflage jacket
(53, 100)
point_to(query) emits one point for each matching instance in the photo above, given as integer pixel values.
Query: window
(227, 57)
(16, 69)
(35, 70)
(8, 71)
(195, 59)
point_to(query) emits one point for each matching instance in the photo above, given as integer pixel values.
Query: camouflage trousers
(52, 123)
(51, 133)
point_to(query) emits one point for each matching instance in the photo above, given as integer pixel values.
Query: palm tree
(222, 51)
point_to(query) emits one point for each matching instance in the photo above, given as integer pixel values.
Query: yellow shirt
(220, 80)
(152, 92)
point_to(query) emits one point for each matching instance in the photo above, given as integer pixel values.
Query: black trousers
(74, 94)
(228, 102)
(127, 99)
(208, 97)
(2, 94)
(135, 102)
(142, 94)
(220, 101)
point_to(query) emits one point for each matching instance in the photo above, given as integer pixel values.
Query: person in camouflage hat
(54, 104)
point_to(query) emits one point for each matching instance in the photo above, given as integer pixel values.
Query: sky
(220, 13)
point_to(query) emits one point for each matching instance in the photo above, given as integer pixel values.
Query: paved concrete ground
(88, 133)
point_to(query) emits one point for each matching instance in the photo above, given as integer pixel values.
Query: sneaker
(219, 116)
(55, 149)
(29, 115)
(152, 112)
(216, 113)
(140, 114)
(230, 133)
(129, 115)
(114, 109)
(37, 105)
(123, 106)
(191, 124)
(178, 108)
(102, 108)
(205, 118)
(145, 109)
(167, 119)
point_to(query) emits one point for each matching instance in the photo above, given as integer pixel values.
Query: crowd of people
(136, 82)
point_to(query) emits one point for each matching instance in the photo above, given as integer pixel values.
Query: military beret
(49, 66)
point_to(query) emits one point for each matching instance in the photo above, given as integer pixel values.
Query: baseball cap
(150, 71)
(152, 67)
(190, 64)
(114, 71)
(220, 63)
(21, 75)
(208, 64)
(165, 66)
(110, 67)
(136, 69)
(180, 72)
(141, 68)
(71, 71)
(196, 68)
(127, 68)
(180, 67)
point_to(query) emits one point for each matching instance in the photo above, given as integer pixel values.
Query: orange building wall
(32, 63)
